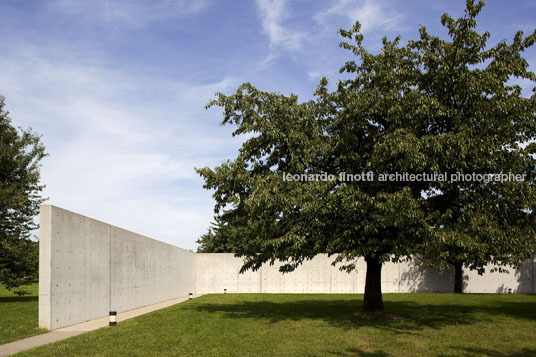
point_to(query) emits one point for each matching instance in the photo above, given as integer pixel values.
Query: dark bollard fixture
(190, 296)
(225, 291)
(113, 318)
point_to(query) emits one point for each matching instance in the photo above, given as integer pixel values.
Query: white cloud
(136, 13)
(273, 14)
(527, 86)
(314, 75)
(122, 147)
(372, 14)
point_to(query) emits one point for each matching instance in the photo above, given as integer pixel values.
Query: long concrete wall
(216, 272)
(88, 268)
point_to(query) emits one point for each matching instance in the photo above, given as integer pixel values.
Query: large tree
(394, 116)
(350, 130)
(20, 154)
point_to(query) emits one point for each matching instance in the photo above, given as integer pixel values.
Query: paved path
(74, 330)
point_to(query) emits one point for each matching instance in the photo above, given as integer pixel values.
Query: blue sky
(117, 88)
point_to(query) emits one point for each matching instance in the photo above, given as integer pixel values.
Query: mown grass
(319, 325)
(18, 314)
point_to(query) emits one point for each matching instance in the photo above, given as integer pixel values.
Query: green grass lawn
(320, 325)
(18, 314)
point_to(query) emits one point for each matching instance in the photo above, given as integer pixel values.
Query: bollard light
(509, 290)
(113, 318)
(190, 296)
(225, 291)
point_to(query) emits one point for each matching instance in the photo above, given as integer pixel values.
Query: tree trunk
(373, 300)
(458, 277)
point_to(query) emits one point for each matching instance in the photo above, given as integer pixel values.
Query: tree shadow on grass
(358, 352)
(400, 317)
(471, 351)
(18, 298)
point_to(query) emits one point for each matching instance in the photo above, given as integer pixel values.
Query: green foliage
(19, 262)
(20, 153)
(479, 123)
(218, 239)
(432, 106)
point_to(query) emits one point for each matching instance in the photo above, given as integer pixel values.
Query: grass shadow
(358, 352)
(18, 298)
(471, 351)
(404, 317)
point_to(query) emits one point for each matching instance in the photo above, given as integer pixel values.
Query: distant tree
(427, 107)
(218, 239)
(20, 154)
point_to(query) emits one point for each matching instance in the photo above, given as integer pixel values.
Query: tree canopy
(20, 154)
(481, 124)
(432, 106)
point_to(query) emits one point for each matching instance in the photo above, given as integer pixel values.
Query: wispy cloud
(310, 37)
(273, 14)
(372, 14)
(136, 13)
(122, 147)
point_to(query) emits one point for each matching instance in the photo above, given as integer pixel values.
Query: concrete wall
(88, 268)
(216, 272)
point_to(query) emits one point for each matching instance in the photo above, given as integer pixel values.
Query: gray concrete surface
(28, 343)
(218, 271)
(88, 268)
